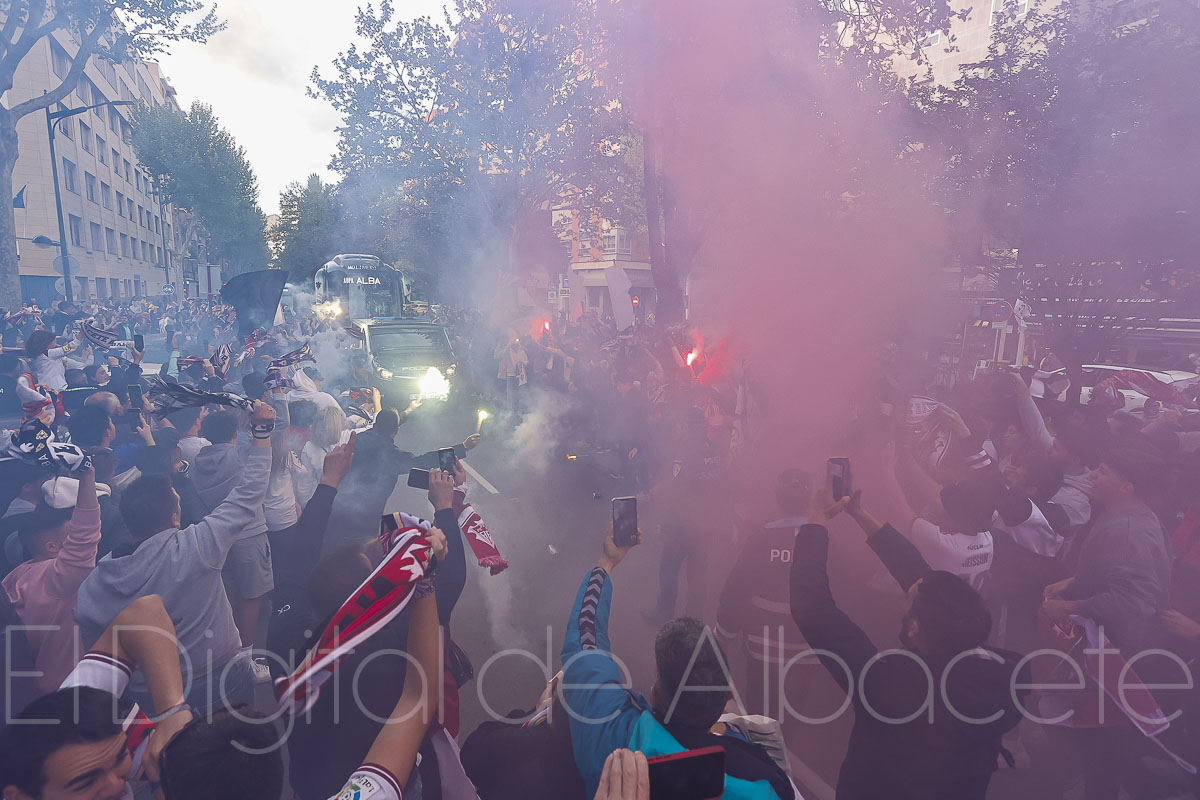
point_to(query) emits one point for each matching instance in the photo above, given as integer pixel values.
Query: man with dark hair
(92, 427)
(754, 610)
(690, 691)
(909, 741)
(187, 421)
(184, 567)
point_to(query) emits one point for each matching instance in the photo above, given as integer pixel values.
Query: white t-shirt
(1035, 534)
(190, 447)
(1072, 497)
(967, 555)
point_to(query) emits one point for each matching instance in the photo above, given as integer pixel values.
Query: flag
(377, 601)
(304, 353)
(19, 200)
(100, 338)
(168, 397)
(254, 297)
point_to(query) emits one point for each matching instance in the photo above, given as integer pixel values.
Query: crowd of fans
(188, 539)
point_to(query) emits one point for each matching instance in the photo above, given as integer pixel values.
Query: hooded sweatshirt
(218, 469)
(184, 568)
(43, 593)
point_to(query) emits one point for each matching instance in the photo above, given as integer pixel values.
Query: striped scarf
(169, 397)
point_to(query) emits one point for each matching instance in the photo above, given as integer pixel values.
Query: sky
(254, 75)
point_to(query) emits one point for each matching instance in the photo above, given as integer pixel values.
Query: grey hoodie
(216, 472)
(184, 568)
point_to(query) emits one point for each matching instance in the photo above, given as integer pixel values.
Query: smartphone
(839, 472)
(690, 775)
(418, 478)
(625, 524)
(139, 342)
(135, 418)
(447, 459)
(135, 397)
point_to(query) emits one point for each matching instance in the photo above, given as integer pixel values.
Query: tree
(200, 167)
(1073, 157)
(112, 30)
(305, 236)
(493, 118)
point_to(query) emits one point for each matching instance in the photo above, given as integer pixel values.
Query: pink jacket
(43, 593)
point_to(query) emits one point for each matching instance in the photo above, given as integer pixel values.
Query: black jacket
(948, 758)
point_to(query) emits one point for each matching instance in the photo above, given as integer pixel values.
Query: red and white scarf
(377, 601)
(477, 533)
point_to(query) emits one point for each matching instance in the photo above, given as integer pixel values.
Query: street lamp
(52, 120)
(44, 241)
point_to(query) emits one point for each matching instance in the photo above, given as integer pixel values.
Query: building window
(616, 242)
(126, 132)
(120, 203)
(110, 240)
(116, 161)
(85, 136)
(931, 39)
(59, 61)
(145, 252)
(105, 194)
(116, 287)
(138, 181)
(66, 125)
(97, 237)
(129, 201)
(98, 99)
(125, 93)
(114, 121)
(158, 260)
(89, 186)
(76, 226)
(124, 245)
(69, 176)
(157, 220)
(101, 150)
(128, 171)
(84, 91)
(1002, 8)
(137, 285)
(141, 216)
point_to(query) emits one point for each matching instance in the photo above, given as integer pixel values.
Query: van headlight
(384, 372)
(434, 384)
(450, 370)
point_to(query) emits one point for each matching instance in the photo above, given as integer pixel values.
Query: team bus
(362, 286)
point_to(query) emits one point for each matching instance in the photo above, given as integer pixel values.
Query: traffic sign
(168, 288)
(998, 312)
(72, 262)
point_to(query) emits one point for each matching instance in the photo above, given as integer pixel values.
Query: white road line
(482, 480)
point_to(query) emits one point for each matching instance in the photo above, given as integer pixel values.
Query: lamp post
(52, 120)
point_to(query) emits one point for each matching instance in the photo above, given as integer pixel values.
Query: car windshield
(407, 340)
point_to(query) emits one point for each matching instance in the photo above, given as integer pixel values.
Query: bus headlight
(384, 373)
(434, 384)
(450, 370)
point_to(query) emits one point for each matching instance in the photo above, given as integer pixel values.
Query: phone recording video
(135, 397)
(447, 460)
(139, 343)
(839, 472)
(625, 524)
(690, 775)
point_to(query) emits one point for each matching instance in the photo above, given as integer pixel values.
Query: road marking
(482, 480)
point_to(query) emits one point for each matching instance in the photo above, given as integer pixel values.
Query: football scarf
(477, 533)
(220, 361)
(304, 353)
(102, 339)
(170, 397)
(382, 596)
(1107, 393)
(34, 443)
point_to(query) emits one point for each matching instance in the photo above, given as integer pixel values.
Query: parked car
(1094, 373)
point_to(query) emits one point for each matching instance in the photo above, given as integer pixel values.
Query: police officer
(755, 612)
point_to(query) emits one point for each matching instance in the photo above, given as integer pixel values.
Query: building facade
(121, 236)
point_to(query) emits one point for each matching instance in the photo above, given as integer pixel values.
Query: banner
(255, 297)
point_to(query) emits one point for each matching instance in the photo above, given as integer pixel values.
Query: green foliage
(457, 136)
(306, 235)
(200, 167)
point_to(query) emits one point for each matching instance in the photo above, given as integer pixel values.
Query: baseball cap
(63, 492)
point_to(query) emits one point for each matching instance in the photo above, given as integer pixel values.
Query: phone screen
(839, 471)
(625, 524)
(139, 342)
(135, 396)
(446, 459)
(418, 478)
(693, 775)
